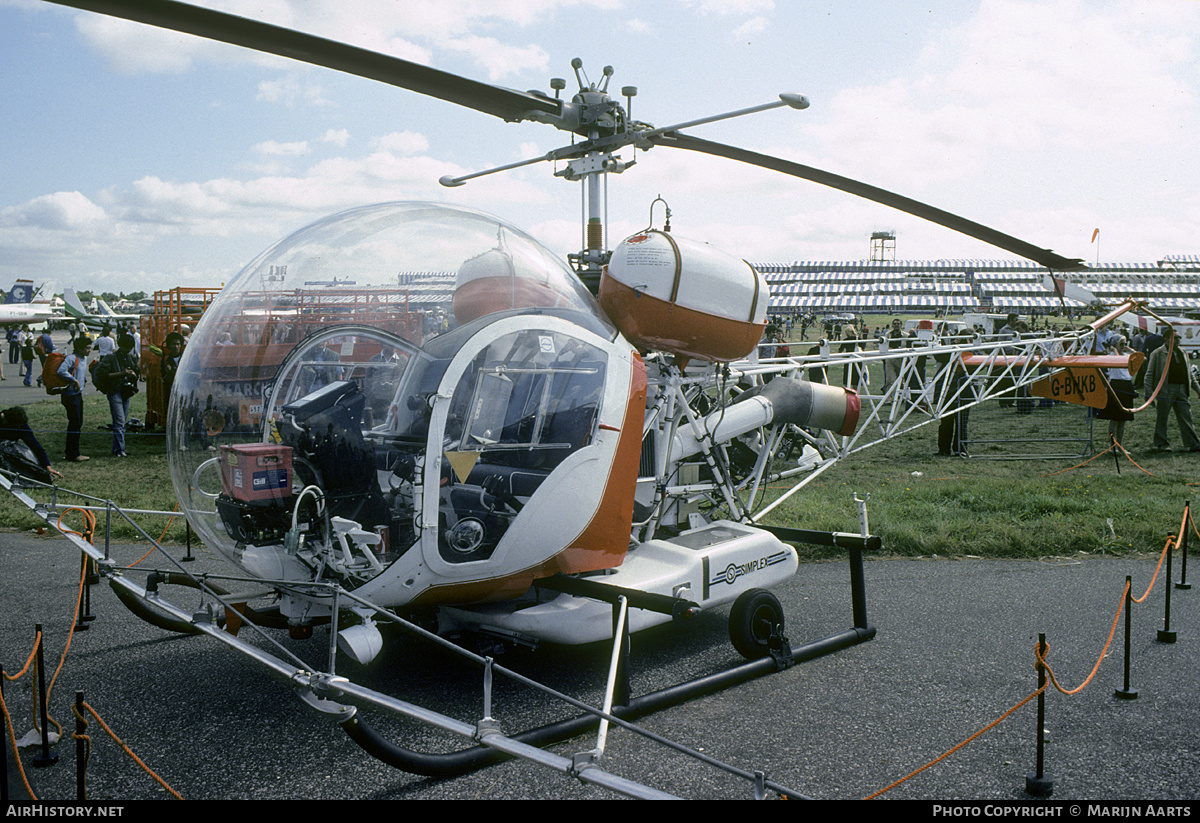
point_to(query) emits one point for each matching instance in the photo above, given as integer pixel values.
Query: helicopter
(421, 405)
(416, 409)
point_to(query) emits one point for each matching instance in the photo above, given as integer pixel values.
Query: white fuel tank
(675, 295)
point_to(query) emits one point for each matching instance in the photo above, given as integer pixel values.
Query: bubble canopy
(364, 299)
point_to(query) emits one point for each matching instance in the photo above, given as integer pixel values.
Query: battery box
(256, 472)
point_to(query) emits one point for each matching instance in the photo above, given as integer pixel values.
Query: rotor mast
(599, 116)
(606, 127)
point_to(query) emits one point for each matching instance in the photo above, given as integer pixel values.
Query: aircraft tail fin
(72, 304)
(1067, 289)
(21, 292)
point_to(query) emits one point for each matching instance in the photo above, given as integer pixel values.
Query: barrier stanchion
(188, 558)
(81, 710)
(1038, 783)
(1183, 541)
(1127, 693)
(85, 613)
(1165, 634)
(45, 757)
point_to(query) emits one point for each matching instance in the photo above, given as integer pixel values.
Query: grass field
(140, 481)
(1031, 488)
(924, 505)
(920, 504)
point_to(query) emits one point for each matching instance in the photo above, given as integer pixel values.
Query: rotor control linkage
(641, 138)
(795, 101)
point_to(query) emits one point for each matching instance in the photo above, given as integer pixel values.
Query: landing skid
(605, 598)
(340, 699)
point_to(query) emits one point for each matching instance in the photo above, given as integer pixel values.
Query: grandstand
(1171, 285)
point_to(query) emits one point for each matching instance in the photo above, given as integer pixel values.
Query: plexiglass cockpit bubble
(304, 394)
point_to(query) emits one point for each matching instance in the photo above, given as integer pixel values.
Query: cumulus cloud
(61, 211)
(412, 31)
(402, 142)
(1068, 93)
(131, 48)
(1026, 91)
(497, 58)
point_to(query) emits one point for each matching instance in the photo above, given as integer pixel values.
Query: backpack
(51, 379)
(102, 374)
(17, 457)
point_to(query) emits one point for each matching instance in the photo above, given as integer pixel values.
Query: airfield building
(1170, 285)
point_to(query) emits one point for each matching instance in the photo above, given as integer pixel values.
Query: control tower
(883, 247)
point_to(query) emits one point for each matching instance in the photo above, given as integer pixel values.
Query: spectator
(117, 376)
(1121, 398)
(1168, 365)
(74, 370)
(43, 347)
(105, 345)
(953, 384)
(27, 355)
(169, 364)
(894, 340)
(14, 427)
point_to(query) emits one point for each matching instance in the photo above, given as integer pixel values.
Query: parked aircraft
(105, 317)
(19, 309)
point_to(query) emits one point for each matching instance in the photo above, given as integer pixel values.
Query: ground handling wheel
(755, 623)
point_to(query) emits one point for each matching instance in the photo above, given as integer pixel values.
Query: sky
(137, 159)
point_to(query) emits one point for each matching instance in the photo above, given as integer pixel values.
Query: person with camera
(117, 376)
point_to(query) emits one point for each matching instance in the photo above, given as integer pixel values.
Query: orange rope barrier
(1103, 653)
(1161, 557)
(89, 522)
(1096, 456)
(32, 653)
(37, 644)
(167, 528)
(1041, 661)
(87, 746)
(161, 537)
(12, 736)
(127, 750)
(62, 660)
(1134, 462)
(942, 757)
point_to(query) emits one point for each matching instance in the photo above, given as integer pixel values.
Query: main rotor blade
(239, 31)
(1045, 257)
